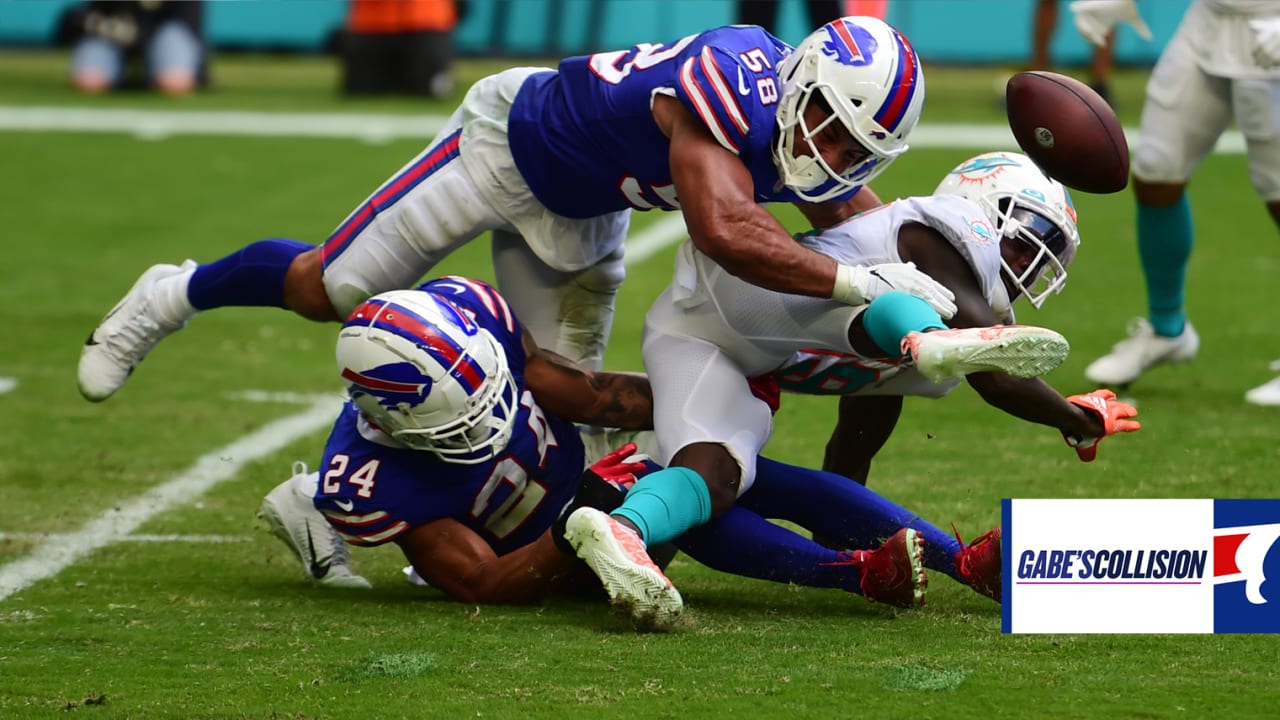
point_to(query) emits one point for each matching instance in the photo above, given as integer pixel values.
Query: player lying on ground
(553, 162)
(1023, 252)
(709, 332)
(457, 445)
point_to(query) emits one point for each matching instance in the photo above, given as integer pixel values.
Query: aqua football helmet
(422, 371)
(866, 72)
(1031, 211)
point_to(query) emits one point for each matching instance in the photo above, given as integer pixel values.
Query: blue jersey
(585, 139)
(373, 490)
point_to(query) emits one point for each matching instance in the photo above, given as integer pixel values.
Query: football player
(554, 161)
(1223, 64)
(997, 228)
(458, 445)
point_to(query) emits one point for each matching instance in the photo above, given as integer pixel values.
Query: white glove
(1267, 52)
(1096, 18)
(858, 285)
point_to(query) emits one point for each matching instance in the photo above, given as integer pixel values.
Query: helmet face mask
(1032, 213)
(867, 75)
(424, 373)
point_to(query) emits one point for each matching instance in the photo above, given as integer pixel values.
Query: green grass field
(198, 613)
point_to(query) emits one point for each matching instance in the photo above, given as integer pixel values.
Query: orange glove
(1114, 415)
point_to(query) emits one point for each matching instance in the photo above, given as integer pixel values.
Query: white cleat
(638, 590)
(293, 518)
(126, 335)
(1140, 352)
(1019, 350)
(1268, 393)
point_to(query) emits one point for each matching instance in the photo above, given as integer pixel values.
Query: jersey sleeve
(710, 83)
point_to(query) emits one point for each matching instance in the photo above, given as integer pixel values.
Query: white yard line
(645, 243)
(381, 128)
(138, 538)
(60, 551)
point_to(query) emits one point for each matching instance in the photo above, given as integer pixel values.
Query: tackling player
(457, 445)
(554, 161)
(996, 228)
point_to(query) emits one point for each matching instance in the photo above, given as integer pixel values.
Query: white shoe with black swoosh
(293, 518)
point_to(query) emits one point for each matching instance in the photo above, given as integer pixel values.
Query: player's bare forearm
(862, 428)
(717, 197)
(606, 399)
(1033, 400)
(454, 559)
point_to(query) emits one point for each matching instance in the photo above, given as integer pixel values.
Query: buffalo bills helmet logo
(393, 384)
(848, 43)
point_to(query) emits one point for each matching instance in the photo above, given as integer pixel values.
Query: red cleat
(893, 573)
(979, 562)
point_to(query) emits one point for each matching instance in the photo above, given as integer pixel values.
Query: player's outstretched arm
(862, 428)
(1083, 420)
(452, 557)
(604, 399)
(717, 196)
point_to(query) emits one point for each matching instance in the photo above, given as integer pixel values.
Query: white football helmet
(1031, 211)
(869, 76)
(422, 371)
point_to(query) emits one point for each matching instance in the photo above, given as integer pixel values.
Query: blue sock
(833, 506)
(892, 315)
(252, 276)
(742, 542)
(1165, 238)
(666, 503)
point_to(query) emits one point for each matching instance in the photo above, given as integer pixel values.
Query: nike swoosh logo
(318, 568)
(742, 84)
(346, 505)
(883, 279)
(91, 341)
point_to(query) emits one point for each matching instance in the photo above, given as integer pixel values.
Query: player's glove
(1267, 50)
(602, 486)
(1096, 18)
(858, 285)
(1114, 415)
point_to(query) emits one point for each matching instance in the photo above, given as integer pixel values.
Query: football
(1068, 130)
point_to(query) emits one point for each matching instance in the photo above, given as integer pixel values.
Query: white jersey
(710, 331)
(1218, 33)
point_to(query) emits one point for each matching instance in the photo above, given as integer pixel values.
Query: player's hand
(1095, 19)
(1267, 50)
(614, 471)
(1115, 417)
(858, 285)
(602, 486)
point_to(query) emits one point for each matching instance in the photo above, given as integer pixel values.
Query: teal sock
(892, 315)
(1165, 238)
(664, 504)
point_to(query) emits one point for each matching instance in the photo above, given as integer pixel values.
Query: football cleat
(893, 573)
(638, 590)
(293, 518)
(1140, 352)
(125, 336)
(1019, 350)
(979, 562)
(1268, 393)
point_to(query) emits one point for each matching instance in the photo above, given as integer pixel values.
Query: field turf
(135, 581)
